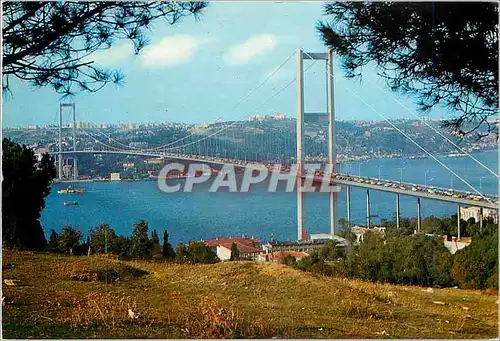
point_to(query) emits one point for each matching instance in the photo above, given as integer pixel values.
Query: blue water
(202, 215)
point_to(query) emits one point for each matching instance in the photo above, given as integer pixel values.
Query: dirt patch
(108, 275)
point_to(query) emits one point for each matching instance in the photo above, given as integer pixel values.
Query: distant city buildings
(276, 116)
(114, 177)
(138, 145)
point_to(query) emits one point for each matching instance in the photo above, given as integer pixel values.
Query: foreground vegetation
(400, 256)
(60, 296)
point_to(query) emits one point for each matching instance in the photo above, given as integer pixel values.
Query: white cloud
(253, 47)
(113, 56)
(172, 50)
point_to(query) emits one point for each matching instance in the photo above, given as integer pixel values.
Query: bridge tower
(60, 166)
(304, 117)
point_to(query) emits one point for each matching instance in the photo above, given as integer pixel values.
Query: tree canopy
(440, 52)
(26, 183)
(51, 43)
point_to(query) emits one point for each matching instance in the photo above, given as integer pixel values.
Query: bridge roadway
(419, 191)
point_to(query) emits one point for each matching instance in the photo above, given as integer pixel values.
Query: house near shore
(248, 247)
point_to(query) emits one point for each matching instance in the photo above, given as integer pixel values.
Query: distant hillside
(89, 297)
(266, 139)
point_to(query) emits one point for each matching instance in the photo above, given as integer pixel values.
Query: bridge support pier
(397, 210)
(60, 166)
(458, 222)
(481, 220)
(348, 199)
(419, 217)
(332, 154)
(75, 170)
(300, 145)
(368, 208)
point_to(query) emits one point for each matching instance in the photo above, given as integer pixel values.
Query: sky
(200, 71)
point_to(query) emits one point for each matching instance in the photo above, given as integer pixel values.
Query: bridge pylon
(60, 165)
(303, 117)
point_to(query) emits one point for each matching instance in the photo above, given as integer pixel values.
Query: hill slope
(88, 297)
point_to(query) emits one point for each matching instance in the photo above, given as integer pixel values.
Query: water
(203, 215)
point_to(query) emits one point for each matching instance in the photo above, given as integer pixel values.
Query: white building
(475, 212)
(223, 252)
(360, 231)
(114, 176)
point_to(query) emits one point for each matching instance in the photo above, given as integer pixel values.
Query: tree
(69, 239)
(342, 223)
(200, 253)
(235, 253)
(51, 43)
(167, 252)
(26, 183)
(98, 238)
(440, 52)
(181, 253)
(155, 241)
(476, 266)
(53, 244)
(141, 245)
(122, 246)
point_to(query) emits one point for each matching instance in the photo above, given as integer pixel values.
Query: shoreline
(346, 161)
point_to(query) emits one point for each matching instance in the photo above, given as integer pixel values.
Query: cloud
(172, 50)
(252, 48)
(113, 56)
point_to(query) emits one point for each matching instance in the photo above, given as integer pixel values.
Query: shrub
(476, 266)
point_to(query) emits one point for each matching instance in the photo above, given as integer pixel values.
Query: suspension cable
(433, 128)
(253, 111)
(246, 97)
(413, 141)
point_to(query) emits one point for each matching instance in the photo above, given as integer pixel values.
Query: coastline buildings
(248, 247)
(475, 212)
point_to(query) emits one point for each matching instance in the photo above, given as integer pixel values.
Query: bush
(410, 259)
(476, 266)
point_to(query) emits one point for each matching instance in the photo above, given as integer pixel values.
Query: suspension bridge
(242, 145)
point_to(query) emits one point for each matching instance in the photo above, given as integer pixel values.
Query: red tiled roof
(244, 245)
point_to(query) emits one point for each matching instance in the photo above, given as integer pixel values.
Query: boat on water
(71, 203)
(71, 190)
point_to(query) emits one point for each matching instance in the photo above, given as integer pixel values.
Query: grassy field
(88, 297)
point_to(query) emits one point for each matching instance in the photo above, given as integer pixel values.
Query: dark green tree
(98, 238)
(26, 183)
(69, 239)
(122, 246)
(342, 223)
(476, 266)
(167, 251)
(51, 43)
(198, 252)
(155, 241)
(53, 244)
(235, 253)
(290, 261)
(182, 253)
(141, 244)
(443, 53)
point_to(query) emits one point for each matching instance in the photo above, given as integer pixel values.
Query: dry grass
(225, 300)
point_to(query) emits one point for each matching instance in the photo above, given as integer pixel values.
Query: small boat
(71, 190)
(71, 203)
